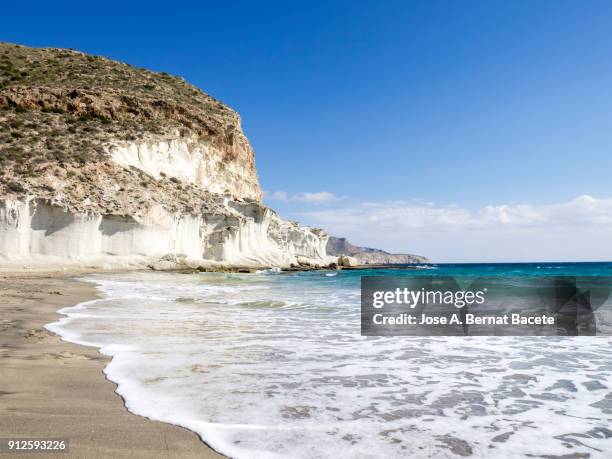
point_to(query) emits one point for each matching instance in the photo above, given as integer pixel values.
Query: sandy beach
(53, 389)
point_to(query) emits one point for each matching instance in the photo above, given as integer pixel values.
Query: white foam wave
(279, 370)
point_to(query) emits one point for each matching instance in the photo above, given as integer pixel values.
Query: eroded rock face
(104, 164)
(235, 233)
(192, 161)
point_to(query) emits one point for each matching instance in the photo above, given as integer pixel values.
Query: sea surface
(273, 365)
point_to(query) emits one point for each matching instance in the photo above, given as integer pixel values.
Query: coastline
(52, 388)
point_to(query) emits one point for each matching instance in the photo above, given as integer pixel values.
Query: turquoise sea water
(273, 365)
(496, 269)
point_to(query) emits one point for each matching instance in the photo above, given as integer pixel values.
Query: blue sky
(415, 108)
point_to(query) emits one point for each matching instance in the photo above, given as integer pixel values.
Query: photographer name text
(457, 319)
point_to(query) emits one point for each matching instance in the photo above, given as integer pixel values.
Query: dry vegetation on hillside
(61, 109)
(62, 105)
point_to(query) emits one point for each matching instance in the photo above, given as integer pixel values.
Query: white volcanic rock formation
(103, 164)
(232, 234)
(195, 162)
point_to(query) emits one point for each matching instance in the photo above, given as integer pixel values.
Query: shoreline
(55, 389)
(42, 268)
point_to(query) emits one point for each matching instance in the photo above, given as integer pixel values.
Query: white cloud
(277, 195)
(580, 229)
(319, 197)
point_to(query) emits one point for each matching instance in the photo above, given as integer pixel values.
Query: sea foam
(265, 366)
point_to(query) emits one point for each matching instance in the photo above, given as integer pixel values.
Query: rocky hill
(364, 255)
(102, 162)
(66, 109)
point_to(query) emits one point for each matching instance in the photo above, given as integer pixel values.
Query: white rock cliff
(236, 231)
(104, 164)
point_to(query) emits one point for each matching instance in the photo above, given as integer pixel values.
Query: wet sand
(53, 389)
